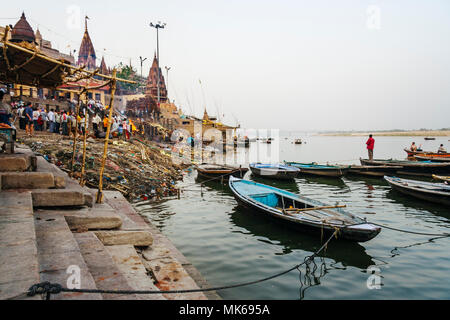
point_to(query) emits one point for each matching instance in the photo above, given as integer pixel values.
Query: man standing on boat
(370, 146)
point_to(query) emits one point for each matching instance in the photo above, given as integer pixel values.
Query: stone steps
(131, 267)
(17, 162)
(29, 180)
(18, 250)
(57, 252)
(102, 267)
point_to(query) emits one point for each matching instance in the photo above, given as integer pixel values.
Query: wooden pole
(75, 134)
(84, 144)
(105, 149)
(314, 209)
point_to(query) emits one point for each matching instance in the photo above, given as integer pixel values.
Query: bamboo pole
(105, 149)
(84, 144)
(75, 134)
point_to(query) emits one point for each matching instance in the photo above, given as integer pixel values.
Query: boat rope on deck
(48, 288)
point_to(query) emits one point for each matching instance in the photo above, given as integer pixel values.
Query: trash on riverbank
(139, 170)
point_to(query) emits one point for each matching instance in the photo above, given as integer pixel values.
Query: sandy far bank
(437, 133)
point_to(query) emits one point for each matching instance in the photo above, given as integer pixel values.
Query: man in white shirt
(51, 121)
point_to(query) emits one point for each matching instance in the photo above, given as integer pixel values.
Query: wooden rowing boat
(432, 158)
(374, 171)
(417, 168)
(302, 212)
(212, 171)
(426, 154)
(274, 171)
(442, 178)
(432, 192)
(320, 170)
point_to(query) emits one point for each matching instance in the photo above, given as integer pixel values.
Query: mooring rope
(54, 288)
(443, 235)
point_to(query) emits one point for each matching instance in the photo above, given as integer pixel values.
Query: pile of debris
(136, 168)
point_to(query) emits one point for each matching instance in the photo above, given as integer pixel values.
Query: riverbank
(413, 133)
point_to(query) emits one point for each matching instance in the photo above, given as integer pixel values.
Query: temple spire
(85, 23)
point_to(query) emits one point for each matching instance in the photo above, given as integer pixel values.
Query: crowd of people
(32, 118)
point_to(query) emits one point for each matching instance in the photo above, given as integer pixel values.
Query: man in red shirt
(370, 146)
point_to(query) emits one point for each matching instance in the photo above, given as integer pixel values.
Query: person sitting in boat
(413, 147)
(441, 149)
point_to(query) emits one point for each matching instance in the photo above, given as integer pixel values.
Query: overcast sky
(292, 65)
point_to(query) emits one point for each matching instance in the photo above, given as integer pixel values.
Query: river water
(231, 245)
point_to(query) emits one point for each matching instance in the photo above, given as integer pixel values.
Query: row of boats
(315, 216)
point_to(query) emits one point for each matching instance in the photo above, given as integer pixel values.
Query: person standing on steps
(370, 146)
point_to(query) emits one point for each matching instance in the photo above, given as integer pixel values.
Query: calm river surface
(230, 245)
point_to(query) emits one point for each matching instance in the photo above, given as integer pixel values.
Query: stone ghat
(50, 226)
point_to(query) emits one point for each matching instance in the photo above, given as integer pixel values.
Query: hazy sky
(293, 65)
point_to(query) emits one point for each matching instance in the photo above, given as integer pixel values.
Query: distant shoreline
(413, 133)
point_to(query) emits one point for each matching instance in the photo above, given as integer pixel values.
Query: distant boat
(412, 167)
(218, 171)
(274, 171)
(442, 178)
(374, 171)
(302, 212)
(430, 139)
(298, 141)
(432, 192)
(320, 170)
(425, 153)
(433, 158)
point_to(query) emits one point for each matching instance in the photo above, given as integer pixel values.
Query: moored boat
(432, 158)
(302, 212)
(320, 170)
(374, 171)
(274, 171)
(425, 153)
(442, 178)
(430, 139)
(417, 168)
(212, 171)
(428, 191)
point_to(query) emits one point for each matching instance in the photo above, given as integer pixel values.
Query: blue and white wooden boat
(307, 214)
(428, 191)
(274, 171)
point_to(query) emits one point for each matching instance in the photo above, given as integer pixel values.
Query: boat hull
(223, 174)
(274, 173)
(414, 168)
(433, 159)
(350, 233)
(320, 170)
(374, 171)
(411, 154)
(427, 195)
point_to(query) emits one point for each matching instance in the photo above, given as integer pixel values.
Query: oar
(316, 208)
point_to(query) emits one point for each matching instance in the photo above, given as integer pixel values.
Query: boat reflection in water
(267, 230)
